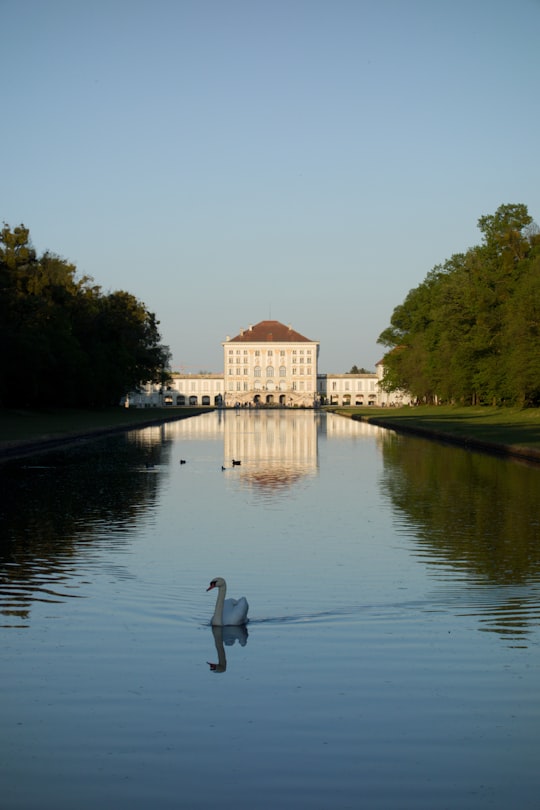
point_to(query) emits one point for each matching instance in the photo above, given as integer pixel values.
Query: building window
(269, 371)
(257, 353)
(257, 371)
(282, 371)
(308, 370)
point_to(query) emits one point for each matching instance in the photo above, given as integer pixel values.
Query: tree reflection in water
(475, 514)
(57, 503)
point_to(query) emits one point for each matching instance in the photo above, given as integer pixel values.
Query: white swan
(228, 611)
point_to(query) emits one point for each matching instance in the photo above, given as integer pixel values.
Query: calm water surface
(392, 658)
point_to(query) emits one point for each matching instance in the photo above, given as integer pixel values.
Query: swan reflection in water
(226, 637)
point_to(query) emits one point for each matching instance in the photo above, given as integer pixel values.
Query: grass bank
(511, 431)
(22, 432)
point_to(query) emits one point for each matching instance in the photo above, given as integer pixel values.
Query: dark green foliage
(64, 342)
(470, 333)
(356, 370)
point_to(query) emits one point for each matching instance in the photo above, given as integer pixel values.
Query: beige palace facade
(270, 364)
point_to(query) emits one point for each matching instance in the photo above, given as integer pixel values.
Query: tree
(459, 334)
(64, 342)
(16, 250)
(356, 370)
(521, 335)
(505, 231)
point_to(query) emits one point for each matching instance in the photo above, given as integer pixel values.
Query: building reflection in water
(275, 448)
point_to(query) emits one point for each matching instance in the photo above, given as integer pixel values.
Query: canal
(392, 654)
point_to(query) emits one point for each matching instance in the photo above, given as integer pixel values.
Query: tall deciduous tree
(457, 336)
(64, 342)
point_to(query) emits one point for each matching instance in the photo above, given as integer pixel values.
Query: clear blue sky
(227, 161)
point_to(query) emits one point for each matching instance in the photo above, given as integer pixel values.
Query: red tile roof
(270, 331)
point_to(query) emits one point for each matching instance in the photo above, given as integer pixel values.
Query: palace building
(268, 364)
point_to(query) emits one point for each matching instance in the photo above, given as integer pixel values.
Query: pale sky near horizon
(230, 161)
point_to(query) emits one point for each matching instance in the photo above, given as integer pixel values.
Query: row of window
(270, 352)
(246, 360)
(361, 385)
(238, 386)
(257, 371)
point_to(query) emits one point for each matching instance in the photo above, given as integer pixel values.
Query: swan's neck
(217, 618)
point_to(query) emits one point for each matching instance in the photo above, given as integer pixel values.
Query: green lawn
(16, 426)
(509, 427)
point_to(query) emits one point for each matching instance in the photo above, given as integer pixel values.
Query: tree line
(64, 341)
(470, 332)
